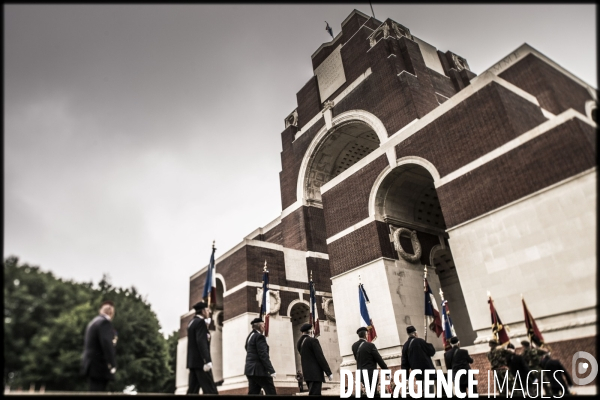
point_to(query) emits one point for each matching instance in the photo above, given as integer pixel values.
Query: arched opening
(407, 198)
(343, 147)
(299, 315)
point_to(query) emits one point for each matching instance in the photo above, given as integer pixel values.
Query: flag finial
(425, 272)
(521, 296)
(311, 275)
(489, 294)
(265, 268)
(213, 243)
(441, 294)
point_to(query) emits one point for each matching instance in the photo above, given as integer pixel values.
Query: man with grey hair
(98, 360)
(258, 369)
(458, 359)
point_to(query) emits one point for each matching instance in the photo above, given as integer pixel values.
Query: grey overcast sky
(137, 134)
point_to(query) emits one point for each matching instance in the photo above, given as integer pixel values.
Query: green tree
(172, 340)
(44, 324)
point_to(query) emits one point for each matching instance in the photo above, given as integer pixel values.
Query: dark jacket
(555, 365)
(456, 360)
(367, 357)
(99, 349)
(515, 362)
(416, 354)
(257, 355)
(198, 346)
(314, 364)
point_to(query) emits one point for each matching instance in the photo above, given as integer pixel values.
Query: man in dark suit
(416, 354)
(458, 359)
(259, 370)
(516, 363)
(98, 361)
(562, 381)
(314, 364)
(366, 355)
(199, 361)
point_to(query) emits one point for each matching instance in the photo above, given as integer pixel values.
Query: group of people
(99, 361)
(510, 366)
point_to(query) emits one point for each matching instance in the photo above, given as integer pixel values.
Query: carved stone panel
(396, 233)
(275, 300)
(330, 74)
(328, 308)
(292, 119)
(459, 63)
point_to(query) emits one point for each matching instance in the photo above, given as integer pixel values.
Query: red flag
(535, 336)
(498, 329)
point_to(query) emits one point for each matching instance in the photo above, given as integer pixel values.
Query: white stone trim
(273, 287)
(547, 188)
(547, 114)
(336, 100)
(362, 266)
(525, 50)
(589, 107)
(293, 303)
(349, 230)
(293, 207)
(513, 144)
(314, 254)
(222, 279)
(352, 115)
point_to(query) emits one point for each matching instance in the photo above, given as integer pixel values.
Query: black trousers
(300, 386)
(97, 385)
(314, 388)
(201, 379)
(255, 383)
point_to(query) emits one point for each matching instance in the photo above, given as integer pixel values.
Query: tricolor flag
(449, 331)
(498, 330)
(328, 29)
(210, 286)
(431, 311)
(535, 336)
(265, 306)
(314, 312)
(365, 319)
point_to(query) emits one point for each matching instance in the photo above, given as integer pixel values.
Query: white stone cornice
(349, 230)
(274, 287)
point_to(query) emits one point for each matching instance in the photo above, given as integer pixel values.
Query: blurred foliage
(44, 325)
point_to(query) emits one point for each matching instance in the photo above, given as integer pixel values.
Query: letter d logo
(583, 368)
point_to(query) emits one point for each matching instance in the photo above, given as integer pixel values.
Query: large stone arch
(405, 197)
(351, 136)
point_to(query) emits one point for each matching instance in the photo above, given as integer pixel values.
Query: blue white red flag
(314, 312)
(265, 306)
(365, 319)
(432, 312)
(449, 331)
(210, 286)
(328, 29)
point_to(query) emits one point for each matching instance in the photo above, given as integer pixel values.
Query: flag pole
(425, 291)
(372, 12)
(211, 257)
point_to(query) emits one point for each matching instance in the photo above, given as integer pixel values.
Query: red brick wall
(555, 91)
(522, 171)
(347, 203)
(359, 247)
(476, 126)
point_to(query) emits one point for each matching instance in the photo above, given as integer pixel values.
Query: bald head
(108, 310)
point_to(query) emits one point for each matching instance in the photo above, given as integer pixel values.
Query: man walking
(560, 380)
(366, 355)
(198, 352)
(314, 364)
(416, 354)
(458, 359)
(259, 370)
(98, 361)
